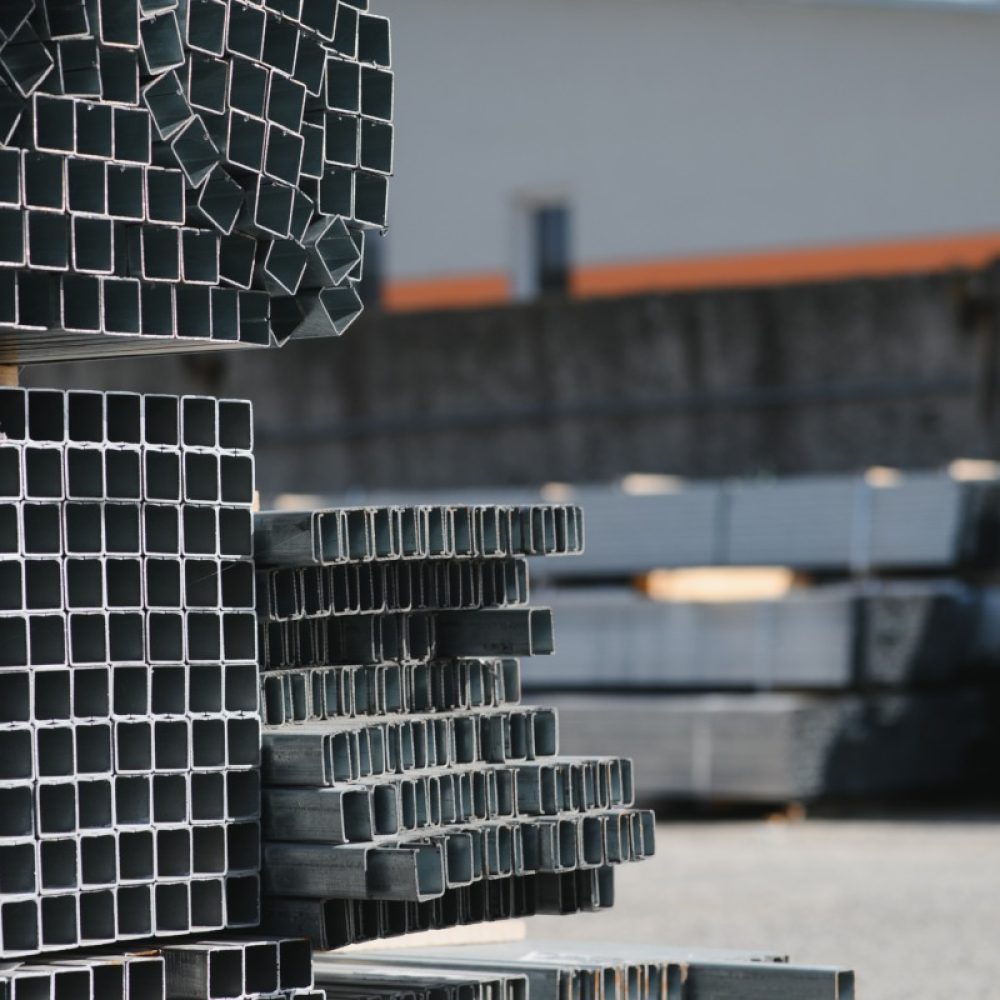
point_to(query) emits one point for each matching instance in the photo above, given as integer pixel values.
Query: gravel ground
(913, 905)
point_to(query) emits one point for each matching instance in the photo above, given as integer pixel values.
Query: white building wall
(680, 128)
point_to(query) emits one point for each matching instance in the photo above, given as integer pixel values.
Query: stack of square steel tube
(179, 175)
(129, 725)
(561, 970)
(406, 786)
(224, 969)
(284, 969)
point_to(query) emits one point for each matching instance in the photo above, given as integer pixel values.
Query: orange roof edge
(456, 292)
(752, 268)
(777, 267)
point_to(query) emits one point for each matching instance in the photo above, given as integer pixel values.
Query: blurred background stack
(803, 638)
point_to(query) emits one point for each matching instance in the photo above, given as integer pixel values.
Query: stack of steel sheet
(406, 786)
(180, 176)
(564, 970)
(129, 722)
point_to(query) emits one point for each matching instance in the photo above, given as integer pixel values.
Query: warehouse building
(593, 148)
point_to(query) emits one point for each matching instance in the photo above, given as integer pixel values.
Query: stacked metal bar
(373, 982)
(129, 723)
(234, 969)
(106, 977)
(187, 174)
(406, 786)
(563, 970)
(240, 969)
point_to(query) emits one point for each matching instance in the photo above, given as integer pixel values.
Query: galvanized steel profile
(129, 723)
(613, 971)
(181, 176)
(406, 786)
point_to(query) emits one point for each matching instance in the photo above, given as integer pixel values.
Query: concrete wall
(809, 378)
(688, 127)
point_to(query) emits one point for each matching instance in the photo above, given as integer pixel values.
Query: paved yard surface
(913, 905)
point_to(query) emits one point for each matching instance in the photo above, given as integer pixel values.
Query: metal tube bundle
(227, 969)
(129, 721)
(406, 786)
(367, 979)
(106, 977)
(561, 970)
(179, 176)
(240, 969)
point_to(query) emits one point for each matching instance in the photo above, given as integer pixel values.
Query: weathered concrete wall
(812, 378)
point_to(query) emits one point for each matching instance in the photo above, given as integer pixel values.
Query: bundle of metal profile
(562, 970)
(240, 969)
(873, 634)
(235, 969)
(407, 810)
(317, 694)
(391, 587)
(187, 176)
(783, 747)
(420, 866)
(560, 791)
(129, 718)
(336, 923)
(404, 638)
(402, 773)
(374, 982)
(322, 753)
(930, 521)
(340, 536)
(87, 977)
